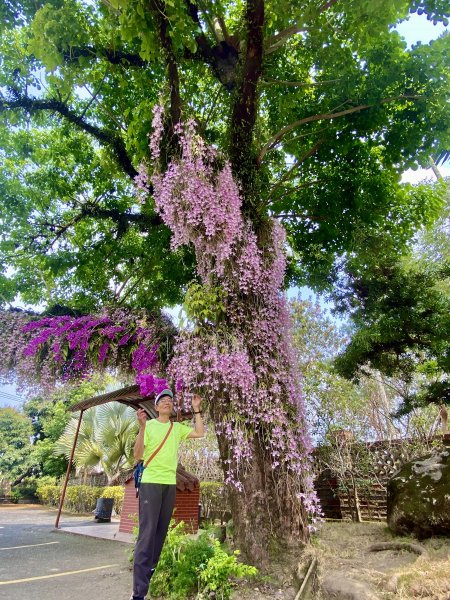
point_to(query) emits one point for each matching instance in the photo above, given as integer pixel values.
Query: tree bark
(265, 514)
(243, 118)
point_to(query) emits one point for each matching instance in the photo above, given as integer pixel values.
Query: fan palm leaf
(106, 439)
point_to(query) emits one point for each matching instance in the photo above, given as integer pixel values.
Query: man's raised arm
(199, 428)
(138, 450)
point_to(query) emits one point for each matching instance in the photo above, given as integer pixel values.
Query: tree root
(415, 548)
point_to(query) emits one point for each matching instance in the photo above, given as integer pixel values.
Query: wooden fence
(337, 494)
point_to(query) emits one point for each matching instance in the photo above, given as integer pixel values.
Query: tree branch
(107, 138)
(325, 116)
(309, 153)
(157, 7)
(277, 40)
(222, 58)
(223, 27)
(297, 83)
(90, 209)
(245, 106)
(289, 190)
(143, 221)
(115, 57)
(297, 163)
(93, 95)
(209, 22)
(302, 216)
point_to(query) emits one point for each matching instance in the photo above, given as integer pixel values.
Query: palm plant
(106, 439)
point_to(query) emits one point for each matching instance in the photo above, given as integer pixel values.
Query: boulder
(338, 586)
(418, 496)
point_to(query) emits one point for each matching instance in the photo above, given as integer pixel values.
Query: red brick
(186, 508)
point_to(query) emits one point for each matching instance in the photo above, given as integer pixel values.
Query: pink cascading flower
(253, 365)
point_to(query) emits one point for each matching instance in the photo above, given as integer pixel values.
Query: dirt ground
(342, 552)
(38, 563)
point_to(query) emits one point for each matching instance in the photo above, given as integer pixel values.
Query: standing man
(158, 484)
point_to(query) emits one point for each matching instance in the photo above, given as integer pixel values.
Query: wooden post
(443, 413)
(69, 468)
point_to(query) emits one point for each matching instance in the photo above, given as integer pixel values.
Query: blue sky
(414, 29)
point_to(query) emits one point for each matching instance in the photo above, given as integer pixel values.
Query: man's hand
(199, 430)
(141, 417)
(196, 402)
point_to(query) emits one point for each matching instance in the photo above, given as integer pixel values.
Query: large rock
(418, 496)
(338, 586)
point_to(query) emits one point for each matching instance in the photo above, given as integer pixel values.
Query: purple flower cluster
(246, 366)
(40, 353)
(149, 384)
(200, 206)
(141, 181)
(158, 128)
(144, 358)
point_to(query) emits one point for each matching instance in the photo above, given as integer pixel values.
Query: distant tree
(50, 416)
(15, 444)
(400, 310)
(333, 402)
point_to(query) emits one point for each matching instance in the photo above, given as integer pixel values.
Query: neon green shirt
(163, 467)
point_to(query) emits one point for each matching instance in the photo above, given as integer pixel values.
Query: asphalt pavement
(39, 563)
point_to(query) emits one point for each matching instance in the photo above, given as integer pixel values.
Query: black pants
(156, 502)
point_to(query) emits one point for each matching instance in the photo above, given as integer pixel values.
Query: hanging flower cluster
(200, 206)
(245, 366)
(61, 348)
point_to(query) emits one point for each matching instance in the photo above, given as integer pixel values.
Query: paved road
(39, 563)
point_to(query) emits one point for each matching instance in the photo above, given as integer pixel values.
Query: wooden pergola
(130, 396)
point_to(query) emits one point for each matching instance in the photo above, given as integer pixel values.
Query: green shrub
(28, 487)
(14, 496)
(116, 492)
(213, 499)
(48, 494)
(45, 480)
(79, 498)
(218, 571)
(82, 498)
(197, 567)
(177, 573)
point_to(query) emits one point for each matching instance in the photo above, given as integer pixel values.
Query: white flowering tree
(278, 129)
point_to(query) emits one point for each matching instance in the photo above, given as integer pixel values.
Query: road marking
(56, 575)
(29, 546)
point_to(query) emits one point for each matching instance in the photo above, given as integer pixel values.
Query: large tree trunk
(266, 512)
(238, 353)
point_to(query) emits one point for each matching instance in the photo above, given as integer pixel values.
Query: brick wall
(186, 508)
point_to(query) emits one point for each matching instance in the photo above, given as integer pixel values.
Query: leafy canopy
(400, 309)
(338, 109)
